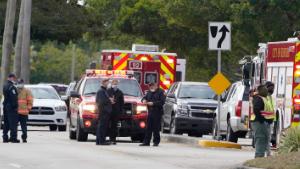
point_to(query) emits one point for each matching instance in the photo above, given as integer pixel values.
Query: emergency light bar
(95, 72)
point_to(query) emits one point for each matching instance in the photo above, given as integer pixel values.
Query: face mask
(115, 87)
(152, 90)
(20, 86)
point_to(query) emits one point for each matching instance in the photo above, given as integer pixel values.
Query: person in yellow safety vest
(270, 86)
(261, 120)
(25, 102)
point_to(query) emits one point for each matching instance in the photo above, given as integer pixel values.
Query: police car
(83, 109)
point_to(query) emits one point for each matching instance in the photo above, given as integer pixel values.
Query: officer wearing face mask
(155, 99)
(117, 109)
(261, 118)
(10, 110)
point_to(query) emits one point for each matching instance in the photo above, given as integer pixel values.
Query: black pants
(102, 128)
(10, 124)
(113, 132)
(23, 122)
(153, 127)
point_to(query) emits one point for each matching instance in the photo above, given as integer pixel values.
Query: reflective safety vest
(268, 112)
(25, 101)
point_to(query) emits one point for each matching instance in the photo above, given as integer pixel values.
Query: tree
(7, 40)
(25, 58)
(18, 48)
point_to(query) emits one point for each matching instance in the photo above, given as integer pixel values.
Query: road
(53, 150)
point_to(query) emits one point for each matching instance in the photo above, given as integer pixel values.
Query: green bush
(291, 141)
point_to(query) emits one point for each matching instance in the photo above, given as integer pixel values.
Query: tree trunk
(18, 48)
(7, 40)
(25, 59)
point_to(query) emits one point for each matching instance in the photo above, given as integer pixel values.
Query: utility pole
(73, 63)
(25, 59)
(7, 47)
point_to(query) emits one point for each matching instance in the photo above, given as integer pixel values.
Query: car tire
(81, 136)
(62, 128)
(72, 134)
(163, 130)
(173, 126)
(137, 138)
(53, 127)
(230, 135)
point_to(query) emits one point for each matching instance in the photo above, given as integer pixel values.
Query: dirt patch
(282, 161)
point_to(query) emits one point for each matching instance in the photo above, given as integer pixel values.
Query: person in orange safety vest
(25, 101)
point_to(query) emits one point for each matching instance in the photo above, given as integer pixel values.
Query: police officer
(155, 99)
(262, 117)
(104, 103)
(10, 108)
(117, 109)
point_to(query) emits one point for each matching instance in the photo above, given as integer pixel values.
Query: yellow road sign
(219, 83)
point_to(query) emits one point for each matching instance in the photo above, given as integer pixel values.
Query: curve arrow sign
(224, 31)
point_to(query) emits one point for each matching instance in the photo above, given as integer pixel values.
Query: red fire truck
(148, 64)
(279, 62)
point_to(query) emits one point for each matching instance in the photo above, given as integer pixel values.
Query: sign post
(219, 39)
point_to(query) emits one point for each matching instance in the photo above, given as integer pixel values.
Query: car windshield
(127, 86)
(44, 93)
(196, 91)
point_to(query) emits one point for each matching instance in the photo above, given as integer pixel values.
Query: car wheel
(163, 130)
(215, 130)
(62, 128)
(53, 127)
(72, 134)
(80, 134)
(137, 138)
(230, 135)
(173, 126)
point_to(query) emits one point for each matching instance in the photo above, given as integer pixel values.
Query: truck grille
(41, 111)
(202, 112)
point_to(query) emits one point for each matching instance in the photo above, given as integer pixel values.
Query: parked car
(60, 88)
(48, 108)
(67, 95)
(234, 117)
(189, 108)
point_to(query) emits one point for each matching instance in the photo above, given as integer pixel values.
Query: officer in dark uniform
(117, 109)
(10, 109)
(155, 99)
(104, 103)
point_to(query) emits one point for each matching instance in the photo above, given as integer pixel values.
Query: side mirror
(171, 95)
(74, 94)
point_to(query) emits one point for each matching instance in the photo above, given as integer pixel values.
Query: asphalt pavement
(54, 150)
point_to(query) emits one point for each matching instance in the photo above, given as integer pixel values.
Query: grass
(281, 161)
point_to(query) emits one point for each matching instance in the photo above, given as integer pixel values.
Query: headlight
(141, 108)
(90, 108)
(61, 108)
(182, 110)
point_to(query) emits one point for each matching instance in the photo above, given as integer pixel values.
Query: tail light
(142, 124)
(87, 123)
(238, 109)
(296, 118)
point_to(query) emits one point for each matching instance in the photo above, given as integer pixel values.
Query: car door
(169, 104)
(226, 108)
(74, 105)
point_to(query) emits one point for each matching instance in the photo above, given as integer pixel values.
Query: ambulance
(148, 64)
(279, 62)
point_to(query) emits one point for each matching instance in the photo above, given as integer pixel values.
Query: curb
(245, 167)
(192, 141)
(219, 144)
